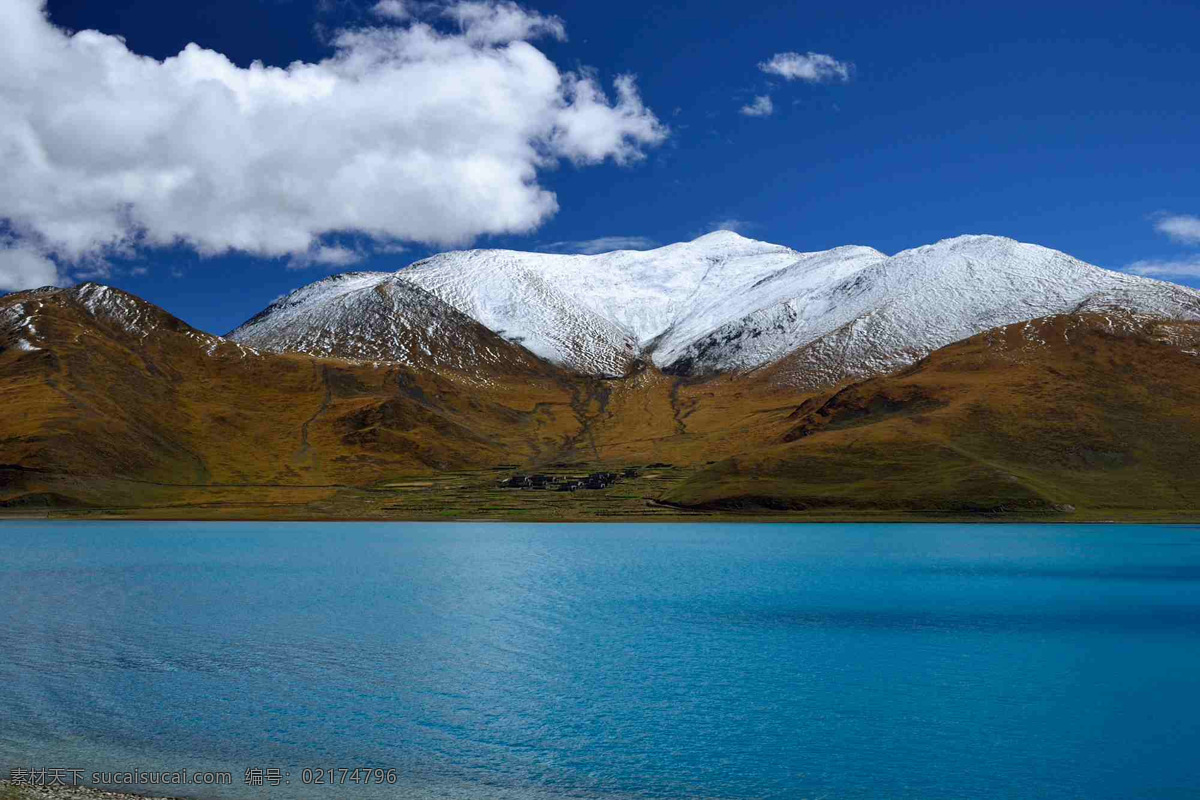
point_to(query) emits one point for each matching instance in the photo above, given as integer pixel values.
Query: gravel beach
(11, 791)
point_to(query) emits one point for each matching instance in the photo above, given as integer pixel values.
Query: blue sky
(1072, 125)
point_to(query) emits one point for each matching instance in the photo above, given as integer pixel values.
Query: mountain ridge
(113, 407)
(725, 303)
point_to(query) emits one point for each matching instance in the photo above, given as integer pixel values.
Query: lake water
(610, 661)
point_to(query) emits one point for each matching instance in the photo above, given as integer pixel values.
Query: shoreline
(779, 518)
(12, 791)
(623, 521)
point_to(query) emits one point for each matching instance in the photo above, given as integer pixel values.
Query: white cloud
(406, 133)
(1167, 268)
(91, 268)
(391, 9)
(807, 67)
(494, 22)
(25, 268)
(1180, 227)
(604, 244)
(761, 107)
(326, 255)
(588, 129)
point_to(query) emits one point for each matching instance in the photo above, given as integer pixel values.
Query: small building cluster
(595, 480)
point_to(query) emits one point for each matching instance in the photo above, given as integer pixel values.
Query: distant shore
(651, 495)
(1085, 517)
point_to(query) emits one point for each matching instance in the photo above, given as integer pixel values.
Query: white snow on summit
(721, 302)
(893, 312)
(373, 316)
(597, 313)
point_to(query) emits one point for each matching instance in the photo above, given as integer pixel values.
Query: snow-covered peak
(726, 239)
(596, 313)
(377, 317)
(321, 291)
(970, 240)
(719, 302)
(722, 235)
(899, 309)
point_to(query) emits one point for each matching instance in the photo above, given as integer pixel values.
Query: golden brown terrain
(1071, 417)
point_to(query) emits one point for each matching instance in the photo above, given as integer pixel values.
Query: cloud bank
(406, 133)
(807, 67)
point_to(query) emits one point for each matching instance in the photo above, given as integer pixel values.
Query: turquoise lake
(610, 661)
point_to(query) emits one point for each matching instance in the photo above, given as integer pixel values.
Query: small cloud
(761, 107)
(91, 267)
(326, 255)
(391, 9)
(491, 22)
(1167, 268)
(808, 67)
(1182, 228)
(604, 244)
(139, 271)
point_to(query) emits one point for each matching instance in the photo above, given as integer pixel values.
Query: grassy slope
(1097, 413)
(1084, 411)
(99, 403)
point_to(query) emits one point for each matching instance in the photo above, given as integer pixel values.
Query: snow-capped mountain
(893, 312)
(373, 316)
(719, 303)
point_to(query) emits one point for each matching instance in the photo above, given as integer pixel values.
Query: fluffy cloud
(405, 133)
(605, 244)
(24, 268)
(493, 22)
(1167, 268)
(391, 9)
(1180, 227)
(761, 107)
(807, 67)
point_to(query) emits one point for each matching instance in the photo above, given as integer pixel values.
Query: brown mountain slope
(97, 384)
(112, 402)
(1091, 411)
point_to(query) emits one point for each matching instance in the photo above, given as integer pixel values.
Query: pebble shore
(10, 791)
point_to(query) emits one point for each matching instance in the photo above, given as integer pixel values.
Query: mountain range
(722, 303)
(974, 375)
